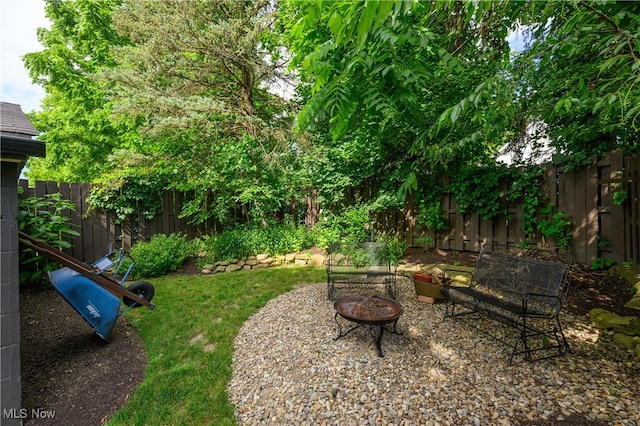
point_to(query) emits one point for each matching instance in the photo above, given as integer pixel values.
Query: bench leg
(391, 287)
(525, 351)
(526, 332)
(449, 308)
(564, 339)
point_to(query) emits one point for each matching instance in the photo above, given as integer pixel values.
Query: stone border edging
(265, 261)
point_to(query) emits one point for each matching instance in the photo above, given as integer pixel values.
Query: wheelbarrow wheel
(141, 288)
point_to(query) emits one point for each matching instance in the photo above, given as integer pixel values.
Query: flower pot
(425, 286)
(425, 278)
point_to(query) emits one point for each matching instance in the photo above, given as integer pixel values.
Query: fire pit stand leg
(379, 341)
(349, 330)
(379, 338)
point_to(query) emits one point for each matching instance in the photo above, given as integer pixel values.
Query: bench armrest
(552, 302)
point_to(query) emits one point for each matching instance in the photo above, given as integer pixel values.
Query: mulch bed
(69, 370)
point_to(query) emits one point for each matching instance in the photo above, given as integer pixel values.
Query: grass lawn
(188, 339)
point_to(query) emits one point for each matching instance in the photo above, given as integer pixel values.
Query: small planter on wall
(425, 287)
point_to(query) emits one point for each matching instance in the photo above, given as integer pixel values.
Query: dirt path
(69, 374)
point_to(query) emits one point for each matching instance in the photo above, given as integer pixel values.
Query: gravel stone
(289, 370)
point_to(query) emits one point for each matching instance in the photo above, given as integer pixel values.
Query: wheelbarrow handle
(51, 252)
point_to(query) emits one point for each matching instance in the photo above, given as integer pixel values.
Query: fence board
(182, 223)
(40, 189)
(567, 186)
(52, 188)
(500, 231)
(578, 212)
(611, 224)
(76, 219)
(632, 228)
(64, 194)
(591, 208)
(485, 234)
(619, 220)
(24, 184)
(90, 226)
(451, 214)
(127, 234)
(154, 226)
(471, 232)
(166, 218)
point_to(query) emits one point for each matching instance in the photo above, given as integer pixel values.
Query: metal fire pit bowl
(368, 310)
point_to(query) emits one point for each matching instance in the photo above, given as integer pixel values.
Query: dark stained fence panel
(631, 185)
(610, 241)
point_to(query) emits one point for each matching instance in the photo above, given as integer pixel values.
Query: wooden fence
(601, 228)
(98, 229)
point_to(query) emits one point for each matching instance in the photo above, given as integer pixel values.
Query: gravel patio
(289, 370)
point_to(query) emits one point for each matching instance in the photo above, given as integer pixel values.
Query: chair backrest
(514, 273)
(365, 254)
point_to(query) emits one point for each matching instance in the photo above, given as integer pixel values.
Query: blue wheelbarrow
(95, 290)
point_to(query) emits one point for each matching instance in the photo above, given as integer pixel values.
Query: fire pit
(368, 310)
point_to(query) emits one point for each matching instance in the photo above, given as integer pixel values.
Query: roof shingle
(14, 121)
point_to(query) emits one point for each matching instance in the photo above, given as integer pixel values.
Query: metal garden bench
(363, 264)
(522, 287)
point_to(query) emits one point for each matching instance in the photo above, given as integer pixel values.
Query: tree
(433, 86)
(380, 76)
(581, 68)
(76, 116)
(197, 75)
(577, 74)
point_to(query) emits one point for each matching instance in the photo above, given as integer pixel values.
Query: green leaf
(366, 20)
(336, 24)
(455, 113)
(383, 10)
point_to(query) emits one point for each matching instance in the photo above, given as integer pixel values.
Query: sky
(19, 21)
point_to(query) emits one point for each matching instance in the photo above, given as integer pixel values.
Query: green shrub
(286, 238)
(324, 233)
(197, 246)
(557, 226)
(43, 219)
(250, 240)
(231, 244)
(352, 224)
(397, 248)
(600, 264)
(282, 238)
(160, 255)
